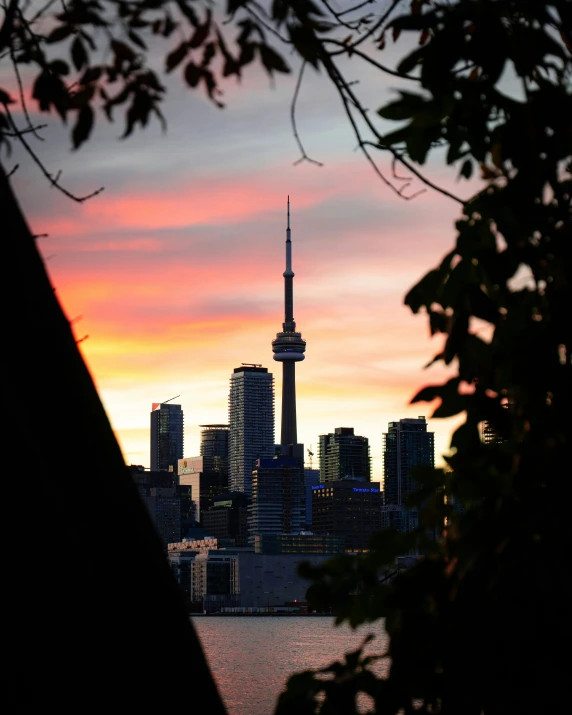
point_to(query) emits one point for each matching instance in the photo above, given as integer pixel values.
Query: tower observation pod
(288, 348)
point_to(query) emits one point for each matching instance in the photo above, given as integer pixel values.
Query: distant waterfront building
(406, 444)
(205, 481)
(167, 422)
(302, 543)
(251, 423)
(252, 580)
(214, 446)
(227, 518)
(311, 479)
(278, 497)
(348, 508)
(169, 504)
(344, 454)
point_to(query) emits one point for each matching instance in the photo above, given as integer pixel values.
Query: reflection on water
(252, 656)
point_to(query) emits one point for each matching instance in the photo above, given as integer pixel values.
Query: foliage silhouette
(476, 625)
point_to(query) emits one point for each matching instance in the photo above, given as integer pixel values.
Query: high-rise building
(344, 454)
(205, 481)
(348, 508)
(227, 518)
(167, 441)
(406, 444)
(167, 502)
(278, 497)
(214, 443)
(251, 423)
(311, 479)
(288, 348)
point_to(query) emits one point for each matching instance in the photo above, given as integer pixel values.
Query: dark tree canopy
(476, 626)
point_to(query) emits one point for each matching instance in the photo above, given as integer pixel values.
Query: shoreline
(258, 615)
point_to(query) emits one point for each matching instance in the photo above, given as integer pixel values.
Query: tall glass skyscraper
(343, 454)
(167, 423)
(406, 444)
(251, 423)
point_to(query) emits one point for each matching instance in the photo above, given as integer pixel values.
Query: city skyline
(174, 271)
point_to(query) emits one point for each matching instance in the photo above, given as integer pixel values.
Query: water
(251, 657)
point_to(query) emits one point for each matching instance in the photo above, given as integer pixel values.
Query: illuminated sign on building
(365, 489)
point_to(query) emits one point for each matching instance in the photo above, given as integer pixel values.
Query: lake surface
(251, 657)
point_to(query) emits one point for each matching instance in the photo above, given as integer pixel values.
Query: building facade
(311, 479)
(349, 508)
(343, 454)
(167, 441)
(278, 497)
(227, 518)
(168, 503)
(251, 423)
(205, 481)
(406, 444)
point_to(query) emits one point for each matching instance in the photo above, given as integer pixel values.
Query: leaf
(122, 51)
(305, 43)
(407, 106)
(272, 61)
(466, 169)
(59, 67)
(199, 36)
(83, 126)
(188, 12)
(5, 98)
(247, 53)
(411, 61)
(90, 75)
(136, 39)
(78, 53)
(59, 33)
(192, 74)
(208, 54)
(175, 58)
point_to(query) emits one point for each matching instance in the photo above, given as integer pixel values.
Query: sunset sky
(174, 272)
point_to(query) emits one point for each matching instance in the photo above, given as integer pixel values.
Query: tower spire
(288, 347)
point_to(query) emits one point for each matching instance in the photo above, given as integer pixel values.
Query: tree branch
(304, 156)
(350, 50)
(54, 181)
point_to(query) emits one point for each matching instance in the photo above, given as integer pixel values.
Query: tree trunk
(97, 616)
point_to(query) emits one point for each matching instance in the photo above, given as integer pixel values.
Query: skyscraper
(343, 454)
(278, 498)
(167, 422)
(288, 348)
(251, 423)
(406, 444)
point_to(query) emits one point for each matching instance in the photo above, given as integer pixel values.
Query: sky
(173, 274)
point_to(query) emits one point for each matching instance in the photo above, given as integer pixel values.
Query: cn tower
(288, 348)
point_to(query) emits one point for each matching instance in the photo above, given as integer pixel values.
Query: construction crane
(169, 400)
(310, 455)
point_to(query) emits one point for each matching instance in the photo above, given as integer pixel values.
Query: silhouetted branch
(42, 10)
(54, 180)
(13, 170)
(268, 27)
(338, 16)
(377, 25)
(356, 7)
(304, 156)
(350, 50)
(23, 98)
